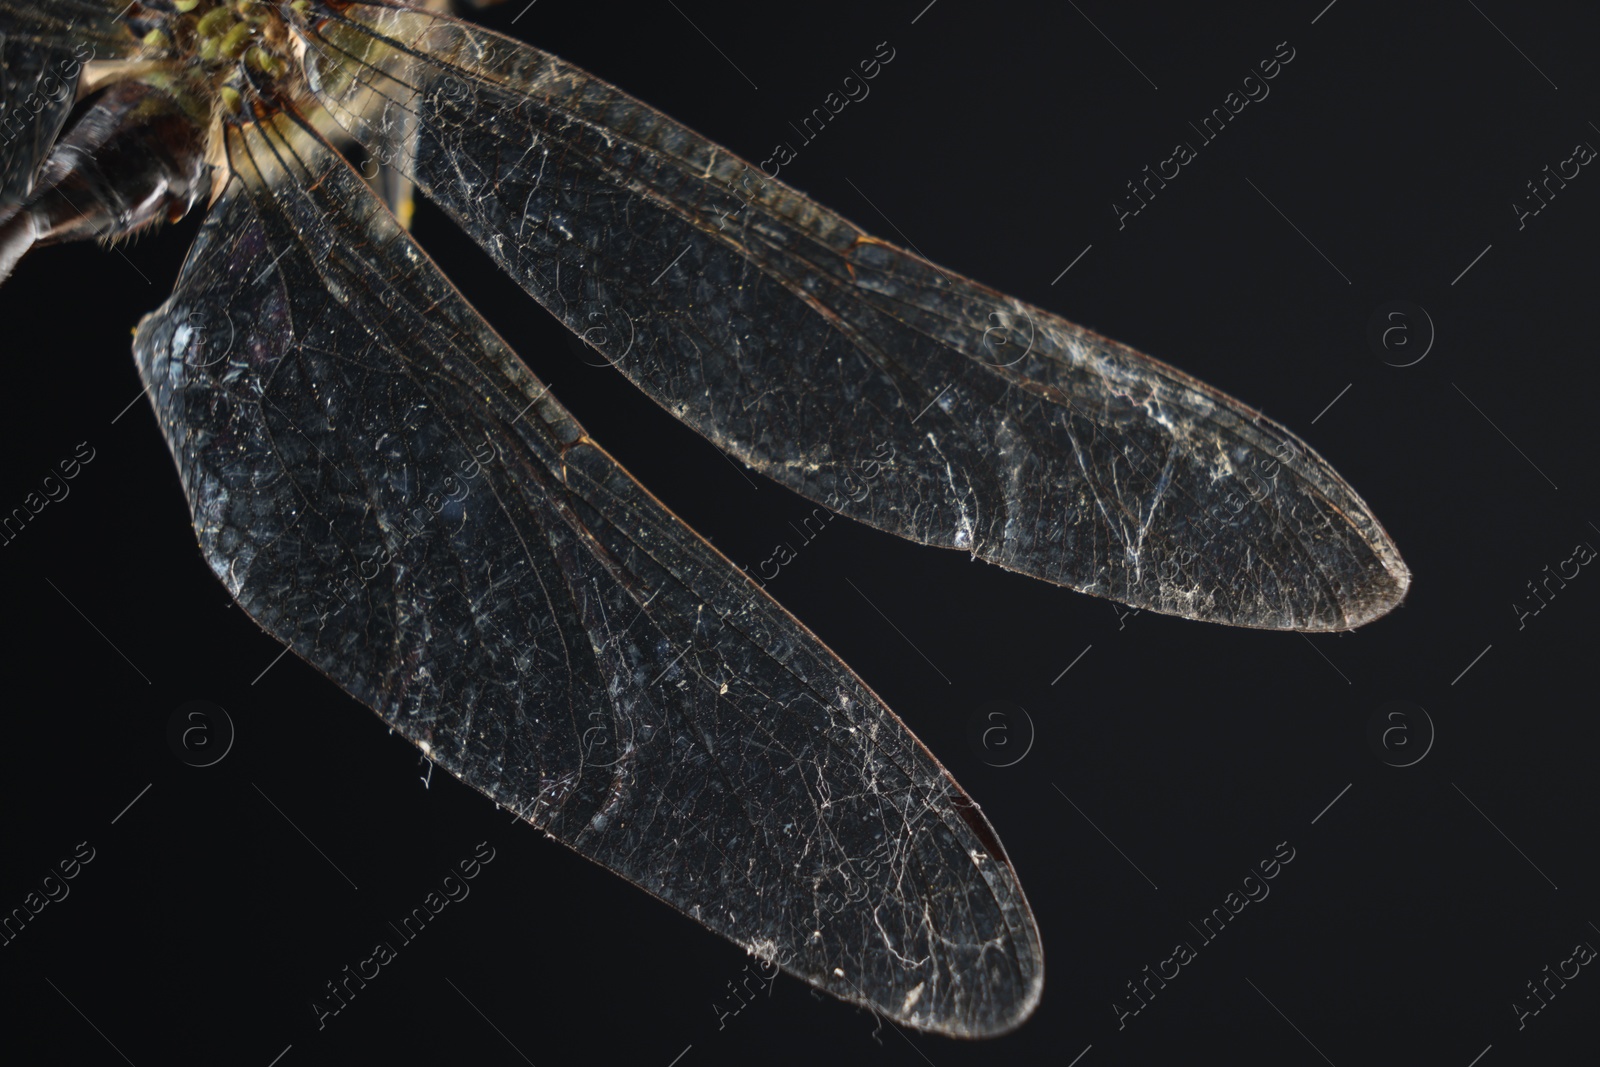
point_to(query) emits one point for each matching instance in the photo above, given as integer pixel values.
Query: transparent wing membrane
(385, 488)
(807, 348)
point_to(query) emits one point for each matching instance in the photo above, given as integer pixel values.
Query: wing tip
(1004, 1003)
(1379, 590)
(1382, 596)
(988, 995)
(1020, 1010)
(998, 1015)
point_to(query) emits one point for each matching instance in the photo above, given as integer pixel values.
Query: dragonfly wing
(386, 489)
(818, 354)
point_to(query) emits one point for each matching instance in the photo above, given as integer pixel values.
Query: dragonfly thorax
(239, 49)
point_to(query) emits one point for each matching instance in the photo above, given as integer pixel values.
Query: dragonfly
(388, 490)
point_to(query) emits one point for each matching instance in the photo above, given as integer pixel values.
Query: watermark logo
(200, 733)
(603, 743)
(1551, 981)
(854, 482)
(1400, 733)
(1000, 733)
(453, 888)
(53, 488)
(1543, 189)
(603, 334)
(1400, 333)
(1008, 336)
(1544, 588)
(1253, 889)
(202, 341)
(1253, 89)
(52, 888)
(764, 974)
(51, 90)
(852, 89)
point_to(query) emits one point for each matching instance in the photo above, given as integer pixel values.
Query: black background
(1416, 907)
